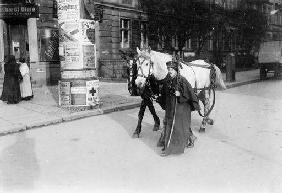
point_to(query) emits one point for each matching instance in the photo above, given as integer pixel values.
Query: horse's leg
(207, 105)
(161, 142)
(153, 112)
(140, 118)
(205, 101)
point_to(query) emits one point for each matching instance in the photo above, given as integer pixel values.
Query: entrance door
(17, 39)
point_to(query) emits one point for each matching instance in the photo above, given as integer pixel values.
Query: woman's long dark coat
(11, 86)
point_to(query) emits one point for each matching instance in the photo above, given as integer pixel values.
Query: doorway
(16, 40)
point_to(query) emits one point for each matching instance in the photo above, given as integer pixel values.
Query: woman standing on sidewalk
(11, 86)
(25, 84)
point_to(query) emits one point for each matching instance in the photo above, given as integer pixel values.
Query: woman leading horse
(198, 73)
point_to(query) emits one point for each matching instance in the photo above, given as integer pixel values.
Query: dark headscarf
(11, 66)
(11, 59)
(172, 64)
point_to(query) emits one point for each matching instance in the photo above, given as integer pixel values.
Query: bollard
(230, 67)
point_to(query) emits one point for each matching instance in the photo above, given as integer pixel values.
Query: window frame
(124, 29)
(144, 40)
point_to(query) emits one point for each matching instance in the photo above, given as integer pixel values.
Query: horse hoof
(136, 134)
(160, 144)
(202, 130)
(156, 128)
(210, 122)
(163, 154)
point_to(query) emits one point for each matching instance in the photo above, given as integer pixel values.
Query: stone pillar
(1, 45)
(36, 76)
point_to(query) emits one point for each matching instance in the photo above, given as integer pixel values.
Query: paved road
(242, 152)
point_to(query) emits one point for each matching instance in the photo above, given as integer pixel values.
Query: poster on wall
(89, 56)
(76, 74)
(49, 45)
(68, 9)
(70, 30)
(72, 56)
(88, 30)
(64, 93)
(92, 92)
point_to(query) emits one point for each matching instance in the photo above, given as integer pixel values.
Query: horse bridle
(140, 68)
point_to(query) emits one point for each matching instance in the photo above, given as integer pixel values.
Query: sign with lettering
(78, 90)
(89, 53)
(92, 92)
(18, 10)
(78, 74)
(64, 93)
(68, 9)
(72, 56)
(88, 30)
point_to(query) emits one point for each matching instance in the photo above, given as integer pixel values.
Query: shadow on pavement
(19, 166)
(147, 135)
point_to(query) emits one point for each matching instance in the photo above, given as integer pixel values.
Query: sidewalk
(43, 109)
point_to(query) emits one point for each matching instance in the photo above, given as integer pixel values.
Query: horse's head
(144, 66)
(150, 62)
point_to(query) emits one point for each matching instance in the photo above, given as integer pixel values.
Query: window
(210, 42)
(188, 44)
(174, 42)
(144, 34)
(161, 41)
(124, 33)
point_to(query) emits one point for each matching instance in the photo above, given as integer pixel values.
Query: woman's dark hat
(172, 64)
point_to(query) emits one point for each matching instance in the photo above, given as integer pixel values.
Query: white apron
(25, 84)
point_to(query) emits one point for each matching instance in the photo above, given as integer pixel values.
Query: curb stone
(80, 115)
(15, 129)
(237, 84)
(43, 123)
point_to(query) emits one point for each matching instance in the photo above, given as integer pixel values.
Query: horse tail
(219, 80)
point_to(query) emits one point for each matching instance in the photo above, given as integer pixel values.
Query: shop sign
(17, 10)
(92, 92)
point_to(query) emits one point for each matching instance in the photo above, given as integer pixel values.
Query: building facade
(34, 35)
(121, 28)
(28, 29)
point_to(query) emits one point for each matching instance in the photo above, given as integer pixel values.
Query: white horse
(197, 73)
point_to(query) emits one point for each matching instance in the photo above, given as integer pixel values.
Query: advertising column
(79, 84)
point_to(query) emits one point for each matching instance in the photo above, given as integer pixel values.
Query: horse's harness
(210, 88)
(147, 82)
